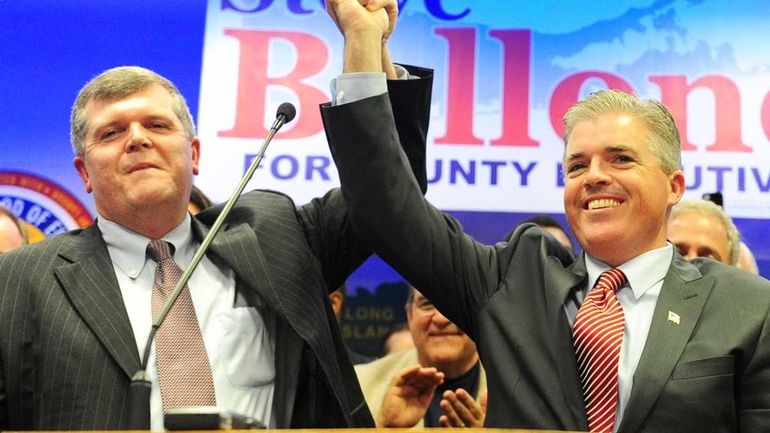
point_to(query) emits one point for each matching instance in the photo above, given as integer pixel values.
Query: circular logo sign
(48, 208)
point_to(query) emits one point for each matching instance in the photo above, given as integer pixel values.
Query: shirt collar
(643, 271)
(128, 249)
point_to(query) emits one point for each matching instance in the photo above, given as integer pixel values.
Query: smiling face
(616, 195)
(439, 342)
(138, 160)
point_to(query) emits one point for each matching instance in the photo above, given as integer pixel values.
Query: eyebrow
(619, 148)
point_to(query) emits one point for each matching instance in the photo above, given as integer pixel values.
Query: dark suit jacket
(709, 372)
(67, 349)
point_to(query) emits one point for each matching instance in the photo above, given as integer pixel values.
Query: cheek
(424, 323)
(571, 188)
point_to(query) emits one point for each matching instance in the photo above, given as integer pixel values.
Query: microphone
(140, 389)
(284, 114)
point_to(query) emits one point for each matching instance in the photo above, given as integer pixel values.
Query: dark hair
(545, 221)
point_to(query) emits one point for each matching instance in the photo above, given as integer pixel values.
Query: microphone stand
(141, 388)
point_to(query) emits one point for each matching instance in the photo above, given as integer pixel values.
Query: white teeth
(602, 203)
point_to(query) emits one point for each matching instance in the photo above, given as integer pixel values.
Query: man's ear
(196, 154)
(677, 185)
(80, 166)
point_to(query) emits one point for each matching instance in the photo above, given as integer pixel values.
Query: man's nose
(596, 174)
(137, 137)
(691, 254)
(440, 319)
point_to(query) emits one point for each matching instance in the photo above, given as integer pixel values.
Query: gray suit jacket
(67, 349)
(709, 372)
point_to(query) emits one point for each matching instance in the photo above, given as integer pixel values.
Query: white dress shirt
(238, 338)
(354, 86)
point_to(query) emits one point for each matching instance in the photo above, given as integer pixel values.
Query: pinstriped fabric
(286, 271)
(68, 350)
(597, 337)
(57, 375)
(184, 371)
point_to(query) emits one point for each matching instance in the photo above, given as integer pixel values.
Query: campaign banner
(505, 73)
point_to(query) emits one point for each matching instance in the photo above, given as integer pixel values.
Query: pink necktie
(184, 371)
(597, 336)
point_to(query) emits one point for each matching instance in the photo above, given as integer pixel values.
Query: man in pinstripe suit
(75, 309)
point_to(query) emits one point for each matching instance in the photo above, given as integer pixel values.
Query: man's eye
(575, 167)
(623, 159)
(158, 125)
(108, 134)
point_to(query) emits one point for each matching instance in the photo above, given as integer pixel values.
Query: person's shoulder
(724, 272)
(34, 260)
(265, 197)
(392, 362)
(735, 282)
(533, 241)
(48, 245)
(250, 206)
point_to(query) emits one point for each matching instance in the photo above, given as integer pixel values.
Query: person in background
(337, 300)
(746, 260)
(700, 228)
(627, 337)
(553, 227)
(12, 232)
(198, 201)
(438, 383)
(398, 339)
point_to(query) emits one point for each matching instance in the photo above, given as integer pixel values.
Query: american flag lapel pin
(673, 317)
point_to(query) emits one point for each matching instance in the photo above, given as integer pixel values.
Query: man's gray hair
(118, 83)
(664, 138)
(709, 209)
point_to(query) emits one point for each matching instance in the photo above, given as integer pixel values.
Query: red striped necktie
(597, 337)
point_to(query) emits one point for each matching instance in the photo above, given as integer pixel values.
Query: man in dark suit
(75, 309)
(692, 349)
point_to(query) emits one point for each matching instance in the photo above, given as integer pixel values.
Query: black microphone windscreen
(286, 110)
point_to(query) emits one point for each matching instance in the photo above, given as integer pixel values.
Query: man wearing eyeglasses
(439, 383)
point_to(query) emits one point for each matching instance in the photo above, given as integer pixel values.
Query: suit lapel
(559, 283)
(684, 294)
(89, 281)
(239, 248)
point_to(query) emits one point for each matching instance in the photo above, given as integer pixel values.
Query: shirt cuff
(347, 88)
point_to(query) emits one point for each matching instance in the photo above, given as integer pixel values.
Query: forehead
(608, 130)
(419, 297)
(154, 100)
(697, 225)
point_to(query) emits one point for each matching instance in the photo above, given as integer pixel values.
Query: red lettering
(461, 59)
(253, 82)
(727, 102)
(517, 50)
(766, 115)
(567, 92)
